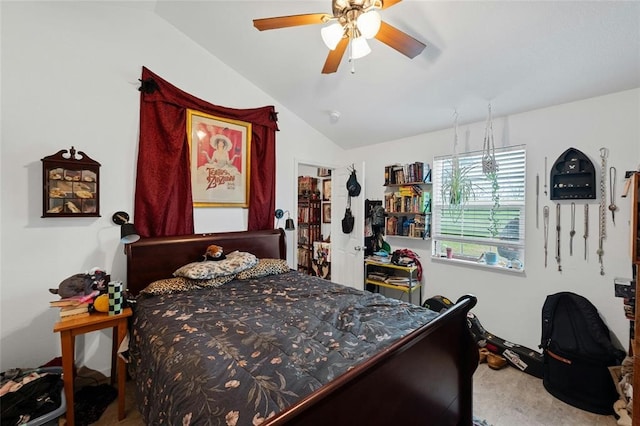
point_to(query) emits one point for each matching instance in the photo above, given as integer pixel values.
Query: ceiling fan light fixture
(332, 34)
(359, 48)
(369, 23)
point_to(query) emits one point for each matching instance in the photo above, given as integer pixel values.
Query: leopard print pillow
(263, 268)
(234, 263)
(179, 284)
(168, 286)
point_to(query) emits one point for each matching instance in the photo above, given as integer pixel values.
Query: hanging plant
(490, 169)
(457, 187)
(495, 197)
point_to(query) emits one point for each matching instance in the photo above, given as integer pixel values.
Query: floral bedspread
(239, 353)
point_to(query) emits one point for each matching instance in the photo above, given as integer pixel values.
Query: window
(479, 220)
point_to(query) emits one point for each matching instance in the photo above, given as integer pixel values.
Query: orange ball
(101, 304)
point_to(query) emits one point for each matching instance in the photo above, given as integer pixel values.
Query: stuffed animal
(214, 252)
(82, 284)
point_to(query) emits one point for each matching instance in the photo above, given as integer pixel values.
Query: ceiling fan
(352, 23)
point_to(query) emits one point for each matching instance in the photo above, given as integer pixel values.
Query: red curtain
(163, 203)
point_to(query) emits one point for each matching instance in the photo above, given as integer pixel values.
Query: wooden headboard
(151, 259)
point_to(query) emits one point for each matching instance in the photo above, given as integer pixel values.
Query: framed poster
(326, 212)
(220, 155)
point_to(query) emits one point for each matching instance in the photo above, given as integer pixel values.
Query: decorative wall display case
(70, 185)
(573, 177)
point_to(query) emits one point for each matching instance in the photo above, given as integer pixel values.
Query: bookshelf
(407, 201)
(309, 223)
(395, 277)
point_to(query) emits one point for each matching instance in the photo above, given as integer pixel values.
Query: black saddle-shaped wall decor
(573, 177)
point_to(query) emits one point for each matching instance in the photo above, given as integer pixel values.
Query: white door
(347, 250)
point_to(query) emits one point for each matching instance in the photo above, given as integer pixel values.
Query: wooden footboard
(423, 379)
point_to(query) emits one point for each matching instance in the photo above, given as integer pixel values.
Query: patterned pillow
(169, 285)
(215, 282)
(265, 267)
(234, 263)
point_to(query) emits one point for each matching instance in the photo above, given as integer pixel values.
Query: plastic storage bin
(51, 418)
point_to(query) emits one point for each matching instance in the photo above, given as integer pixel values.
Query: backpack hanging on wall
(348, 220)
(577, 353)
(353, 187)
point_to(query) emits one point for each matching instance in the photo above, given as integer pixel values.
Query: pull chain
(558, 237)
(602, 232)
(545, 221)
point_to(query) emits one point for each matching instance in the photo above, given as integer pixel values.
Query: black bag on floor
(577, 353)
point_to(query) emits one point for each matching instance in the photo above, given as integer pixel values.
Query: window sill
(466, 261)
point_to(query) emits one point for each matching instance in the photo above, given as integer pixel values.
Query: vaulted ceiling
(515, 55)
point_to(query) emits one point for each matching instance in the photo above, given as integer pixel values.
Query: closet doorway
(313, 227)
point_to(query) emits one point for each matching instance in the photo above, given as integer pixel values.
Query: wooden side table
(96, 321)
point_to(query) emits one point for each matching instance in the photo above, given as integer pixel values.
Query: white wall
(70, 75)
(509, 305)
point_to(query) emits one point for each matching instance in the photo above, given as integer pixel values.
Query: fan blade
(399, 40)
(389, 3)
(335, 56)
(290, 21)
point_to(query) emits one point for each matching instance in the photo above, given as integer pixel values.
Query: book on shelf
(398, 174)
(377, 276)
(401, 281)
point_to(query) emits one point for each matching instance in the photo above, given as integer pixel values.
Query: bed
(392, 363)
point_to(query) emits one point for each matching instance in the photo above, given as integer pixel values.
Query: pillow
(234, 263)
(179, 284)
(168, 285)
(263, 268)
(215, 282)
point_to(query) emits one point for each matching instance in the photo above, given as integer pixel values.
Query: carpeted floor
(479, 422)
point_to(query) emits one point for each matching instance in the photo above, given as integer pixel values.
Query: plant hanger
(457, 187)
(489, 165)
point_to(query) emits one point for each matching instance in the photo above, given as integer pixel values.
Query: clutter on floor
(31, 395)
(622, 376)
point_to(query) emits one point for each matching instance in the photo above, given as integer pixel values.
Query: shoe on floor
(495, 361)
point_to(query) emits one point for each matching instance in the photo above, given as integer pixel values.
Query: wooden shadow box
(70, 185)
